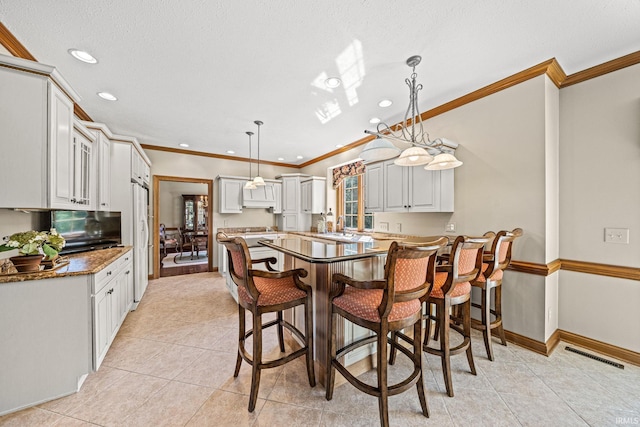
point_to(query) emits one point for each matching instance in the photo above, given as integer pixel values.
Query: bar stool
(383, 306)
(267, 292)
(494, 263)
(451, 288)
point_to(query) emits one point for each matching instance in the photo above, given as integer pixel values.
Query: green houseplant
(32, 246)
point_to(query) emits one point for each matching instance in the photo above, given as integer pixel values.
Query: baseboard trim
(546, 348)
(601, 347)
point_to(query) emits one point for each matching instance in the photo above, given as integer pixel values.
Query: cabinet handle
(73, 200)
(103, 204)
(108, 273)
(110, 291)
(128, 271)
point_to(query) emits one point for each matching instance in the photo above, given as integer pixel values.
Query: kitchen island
(321, 259)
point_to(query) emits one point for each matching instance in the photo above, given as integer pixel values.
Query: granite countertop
(79, 264)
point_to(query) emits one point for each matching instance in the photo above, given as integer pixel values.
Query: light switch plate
(616, 235)
(450, 227)
(384, 226)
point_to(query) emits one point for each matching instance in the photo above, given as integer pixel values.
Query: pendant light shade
(258, 179)
(443, 161)
(413, 156)
(249, 185)
(379, 149)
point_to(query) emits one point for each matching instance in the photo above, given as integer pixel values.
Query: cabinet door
(61, 148)
(277, 189)
(424, 190)
(101, 325)
(103, 203)
(396, 194)
(318, 196)
(305, 196)
(289, 222)
(128, 272)
(374, 188)
(230, 196)
(82, 171)
(290, 195)
(114, 296)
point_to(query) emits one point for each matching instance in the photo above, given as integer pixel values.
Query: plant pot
(27, 263)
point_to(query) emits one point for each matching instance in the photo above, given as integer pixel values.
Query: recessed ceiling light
(374, 120)
(280, 158)
(339, 145)
(231, 152)
(299, 157)
(107, 96)
(332, 82)
(184, 145)
(385, 103)
(83, 56)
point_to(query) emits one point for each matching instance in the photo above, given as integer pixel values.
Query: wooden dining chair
(383, 306)
(263, 292)
(452, 287)
(494, 263)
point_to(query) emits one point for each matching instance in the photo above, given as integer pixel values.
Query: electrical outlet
(549, 315)
(450, 227)
(398, 227)
(616, 235)
(384, 226)
(226, 222)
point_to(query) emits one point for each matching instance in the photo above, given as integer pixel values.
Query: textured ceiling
(200, 72)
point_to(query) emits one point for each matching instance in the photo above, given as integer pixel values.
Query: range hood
(263, 197)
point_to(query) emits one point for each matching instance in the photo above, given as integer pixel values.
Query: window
(352, 196)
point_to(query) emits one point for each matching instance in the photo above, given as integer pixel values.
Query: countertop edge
(80, 264)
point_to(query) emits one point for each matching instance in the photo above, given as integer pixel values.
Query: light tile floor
(172, 364)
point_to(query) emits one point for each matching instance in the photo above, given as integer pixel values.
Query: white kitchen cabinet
(293, 217)
(313, 195)
(74, 173)
(37, 123)
(137, 168)
(277, 189)
(112, 294)
(230, 195)
(374, 188)
(103, 200)
(414, 189)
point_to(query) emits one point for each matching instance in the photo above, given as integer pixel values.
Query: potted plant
(32, 246)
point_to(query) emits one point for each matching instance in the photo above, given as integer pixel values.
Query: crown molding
(11, 43)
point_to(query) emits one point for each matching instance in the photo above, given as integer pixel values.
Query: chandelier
(411, 131)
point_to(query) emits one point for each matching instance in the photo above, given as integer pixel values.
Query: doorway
(185, 186)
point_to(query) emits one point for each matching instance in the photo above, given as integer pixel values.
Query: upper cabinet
(233, 197)
(140, 170)
(313, 195)
(47, 162)
(230, 194)
(393, 188)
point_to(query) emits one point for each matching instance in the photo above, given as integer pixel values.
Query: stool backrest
(239, 259)
(466, 258)
(409, 272)
(501, 250)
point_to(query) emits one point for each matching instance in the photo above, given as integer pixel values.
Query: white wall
(599, 187)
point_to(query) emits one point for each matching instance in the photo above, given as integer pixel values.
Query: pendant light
(249, 184)
(258, 179)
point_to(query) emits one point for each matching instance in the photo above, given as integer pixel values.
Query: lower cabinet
(112, 299)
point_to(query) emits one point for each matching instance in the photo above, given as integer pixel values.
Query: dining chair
(452, 287)
(494, 263)
(263, 292)
(383, 306)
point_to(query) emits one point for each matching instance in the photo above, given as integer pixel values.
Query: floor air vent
(594, 357)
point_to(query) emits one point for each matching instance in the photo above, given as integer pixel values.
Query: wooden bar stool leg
(467, 333)
(257, 360)
(486, 319)
(393, 351)
(498, 311)
(280, 332)
(442, 311)
(241, 333)
(383, 399)
(331, 354)
(417, 360)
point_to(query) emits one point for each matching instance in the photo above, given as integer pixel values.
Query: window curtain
(350, 169)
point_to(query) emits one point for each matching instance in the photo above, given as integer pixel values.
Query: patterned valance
(350, 169)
